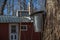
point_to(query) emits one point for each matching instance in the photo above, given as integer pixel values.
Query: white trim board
(10, 30)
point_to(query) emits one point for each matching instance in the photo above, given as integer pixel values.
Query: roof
(37, 12)
(13, 19)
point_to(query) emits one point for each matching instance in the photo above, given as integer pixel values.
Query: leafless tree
(52, 23)
(2, 7)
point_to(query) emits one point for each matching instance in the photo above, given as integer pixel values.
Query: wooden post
(13, 8)
(8, 7)
(20, 26)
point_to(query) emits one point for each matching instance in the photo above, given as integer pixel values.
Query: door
(13, 31)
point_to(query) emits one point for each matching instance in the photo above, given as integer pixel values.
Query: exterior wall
(25, 35)
(30, 34)
(4, 31)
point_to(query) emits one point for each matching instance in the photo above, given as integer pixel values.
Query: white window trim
(10, 31)
(24, 29)
(20, 10)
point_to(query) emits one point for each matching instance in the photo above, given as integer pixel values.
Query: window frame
(13, 30)
(16, 24)
(24, 29)
(17, 14)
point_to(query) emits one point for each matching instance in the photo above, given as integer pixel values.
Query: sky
(39, 4)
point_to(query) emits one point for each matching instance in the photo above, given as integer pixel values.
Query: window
(13, 28)
(23, 27)
(13, 31)
(11, 36)
(23, 13)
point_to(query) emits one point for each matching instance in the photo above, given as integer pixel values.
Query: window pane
(23, 13)
(23, 27)
(12, 37)
(13, 29)
(15, 36)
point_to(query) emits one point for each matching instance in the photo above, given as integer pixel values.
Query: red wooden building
(16, 28)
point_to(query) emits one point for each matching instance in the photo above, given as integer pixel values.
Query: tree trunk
(52, 22)
(2, 7)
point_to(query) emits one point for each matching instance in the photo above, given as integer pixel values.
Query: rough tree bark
(2, 7)
(52, 22)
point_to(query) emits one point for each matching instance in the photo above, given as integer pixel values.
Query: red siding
(4, 31)
(30, 34)
(25, 35)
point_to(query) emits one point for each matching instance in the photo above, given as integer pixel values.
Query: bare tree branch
(2, 7)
